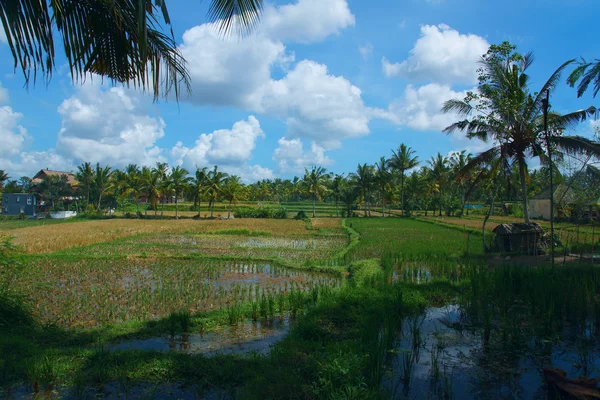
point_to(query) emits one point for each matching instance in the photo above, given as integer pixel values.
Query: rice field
(402, 309)
(55, 237)
(94, 293)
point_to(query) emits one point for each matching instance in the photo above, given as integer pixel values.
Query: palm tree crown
(507, 113)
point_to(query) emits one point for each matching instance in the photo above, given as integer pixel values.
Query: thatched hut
(521, 237)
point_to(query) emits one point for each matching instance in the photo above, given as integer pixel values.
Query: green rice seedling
(408, 364)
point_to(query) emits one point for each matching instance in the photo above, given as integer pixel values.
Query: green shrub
(260, 212)
(302, 215)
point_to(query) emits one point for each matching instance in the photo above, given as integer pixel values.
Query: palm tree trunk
(336, 207)
(402, 190)
(229, 210)
(522, 177)
(198, 209)
(212, 207)
(137, 206)
(88, 194)
(314, 201)
(440, 201)
(99, 200)
(162, 209)
(365, 200)
(176, 206)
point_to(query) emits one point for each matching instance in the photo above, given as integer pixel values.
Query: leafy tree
(122, 40)
(178, 180)
(505, 111)
(314, 184)
(55, 187)
(85, 177)
(402, 160)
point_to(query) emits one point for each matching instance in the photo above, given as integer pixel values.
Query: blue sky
(329, 82)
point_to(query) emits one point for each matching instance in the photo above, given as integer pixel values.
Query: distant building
(539, 205)
(15, 204)
(39, 177)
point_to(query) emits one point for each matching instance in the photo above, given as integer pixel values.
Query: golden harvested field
(50, 238)
(326, 223)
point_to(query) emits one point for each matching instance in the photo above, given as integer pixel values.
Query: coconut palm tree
(151, 185)
(162, 170)
(132, 184)
(314, 184)
(382, 179)
(3, 178)
(402, 160)
(506, 112)
(363, 179)
(348, 196)
(215, 181)
(85, 177)
(178, 180)
(458, 161)
(438, 172)
(232, 191)
(337, 185)
(122, 40)
(199, 186)
(103, 182)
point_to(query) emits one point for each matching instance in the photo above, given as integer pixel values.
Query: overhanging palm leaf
(122, 40)
(588, 73)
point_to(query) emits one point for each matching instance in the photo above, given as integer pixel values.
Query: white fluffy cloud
(3, 36)
(316, 105)
(307, 20)
(223, 147)
(109, 126)
(232, 72)
(231, 149)
(291, 157)
(420, 108)
(12, 135)
(228, 71)
(442, 55)
(14, 156)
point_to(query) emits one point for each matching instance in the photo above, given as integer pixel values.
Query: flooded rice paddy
(249, 337)
(295, 249)
(95, 292)
(439, 355)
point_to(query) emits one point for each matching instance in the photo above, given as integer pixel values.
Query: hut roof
(518, 229)
(39, 177)
(562, 194)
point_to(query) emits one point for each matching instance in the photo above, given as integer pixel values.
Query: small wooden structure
(522, 237)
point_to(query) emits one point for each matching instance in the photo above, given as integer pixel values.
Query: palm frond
(577, 145)
(243, 15)
(460, 107)
(536, 105)
(572, 119)
(587, 76)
